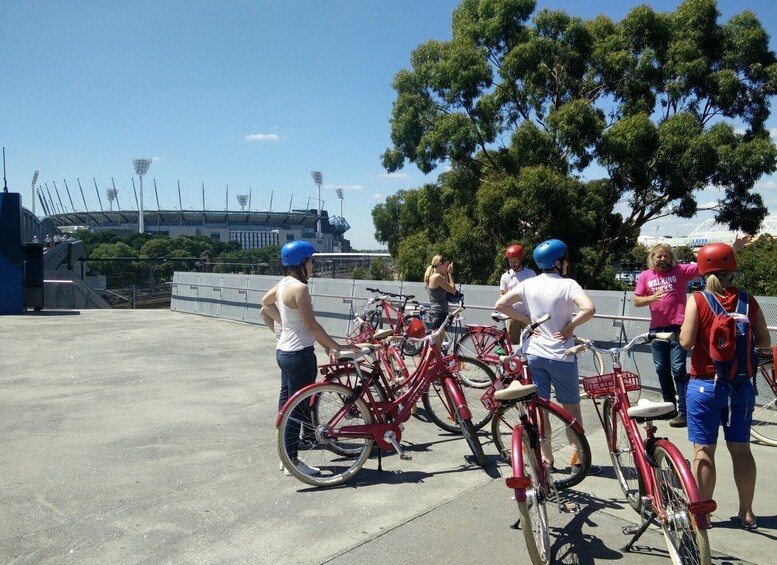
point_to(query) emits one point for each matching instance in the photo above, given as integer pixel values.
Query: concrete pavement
(147, 437)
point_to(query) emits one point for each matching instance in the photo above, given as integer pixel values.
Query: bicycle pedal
(569, 507)
(630, 530)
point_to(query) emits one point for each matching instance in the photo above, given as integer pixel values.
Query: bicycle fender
(516, 455)
(457, 396)
(682, 464)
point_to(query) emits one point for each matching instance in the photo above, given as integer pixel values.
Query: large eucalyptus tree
(551, 125)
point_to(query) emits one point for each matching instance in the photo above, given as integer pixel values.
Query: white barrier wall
(336, 301)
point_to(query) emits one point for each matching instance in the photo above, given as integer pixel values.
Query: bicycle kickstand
(637, 530)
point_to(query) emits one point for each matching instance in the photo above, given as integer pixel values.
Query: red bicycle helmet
(416, 329)
(514, 251)
(716, 257)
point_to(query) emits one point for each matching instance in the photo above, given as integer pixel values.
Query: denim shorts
(561, 374)
(713, 403)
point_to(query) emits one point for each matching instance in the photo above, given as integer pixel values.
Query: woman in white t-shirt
(288, 304)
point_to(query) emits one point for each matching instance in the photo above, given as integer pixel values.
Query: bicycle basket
(604, 385)
(362, 333)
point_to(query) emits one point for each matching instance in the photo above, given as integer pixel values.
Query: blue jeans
(298, 370)
(669, 359)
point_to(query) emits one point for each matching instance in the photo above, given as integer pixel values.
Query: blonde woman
(713, 403)
(439, 280)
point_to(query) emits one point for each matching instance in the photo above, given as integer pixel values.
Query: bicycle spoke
(687, 543)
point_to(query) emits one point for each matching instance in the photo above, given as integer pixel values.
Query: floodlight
(141, 168)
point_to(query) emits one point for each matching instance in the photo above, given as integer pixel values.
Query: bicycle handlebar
(646, 337)
(392, 294)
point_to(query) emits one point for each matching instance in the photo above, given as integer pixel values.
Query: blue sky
(249, 95)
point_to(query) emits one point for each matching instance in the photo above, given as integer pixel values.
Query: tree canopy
(582, 130)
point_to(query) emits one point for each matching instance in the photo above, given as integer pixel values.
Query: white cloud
(773, 134)
(262, 137)
(766, 185)
(377, 196)
(349, 186)
(394, 175)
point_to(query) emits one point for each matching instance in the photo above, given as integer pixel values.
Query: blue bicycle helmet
(295, 253)
(548, 252)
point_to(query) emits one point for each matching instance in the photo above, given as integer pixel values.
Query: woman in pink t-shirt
(662, 287)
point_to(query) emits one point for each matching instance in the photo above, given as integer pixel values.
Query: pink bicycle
(654, 475)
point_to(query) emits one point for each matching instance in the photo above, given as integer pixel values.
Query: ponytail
(717, 281)
(428, 274)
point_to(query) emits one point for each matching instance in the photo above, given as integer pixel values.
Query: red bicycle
(335, 427)
(536, 478)
(381, 309)
(560, 436)
(654, 475)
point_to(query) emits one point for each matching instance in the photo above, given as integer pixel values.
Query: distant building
(707, 232)
(253, 229)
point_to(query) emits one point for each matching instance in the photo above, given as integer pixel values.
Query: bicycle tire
(764, 426)
(622, 456)
(437, 407)
(412, 348)
(375, 319)
(471, 437)
(687, 544)
(322, 449)
(567, 448)
(532, 509)
(484, 347)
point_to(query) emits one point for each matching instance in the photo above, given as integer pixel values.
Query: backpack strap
(743, 303)
(714, 303)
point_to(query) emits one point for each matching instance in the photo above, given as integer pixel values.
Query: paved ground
(147, 437)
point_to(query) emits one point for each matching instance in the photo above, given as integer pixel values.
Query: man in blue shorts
(569, 307)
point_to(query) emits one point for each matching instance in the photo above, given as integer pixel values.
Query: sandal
(751, 526)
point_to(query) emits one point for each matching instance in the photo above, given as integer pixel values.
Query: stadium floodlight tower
(34, 180)
(141, 168)
(242, 199)
(318, 178)
(339, 192)
(110, 194)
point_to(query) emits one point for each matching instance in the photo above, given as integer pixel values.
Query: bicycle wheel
(315, 415)
(482, 345)
(471, 436)
(562, 445)
(533, 511)
(686, 542)
(764, 428)
(622, 456)
(436, 402)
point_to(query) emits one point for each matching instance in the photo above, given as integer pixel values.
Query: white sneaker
(304, 468)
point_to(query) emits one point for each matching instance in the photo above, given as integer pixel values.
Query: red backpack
(732, 342)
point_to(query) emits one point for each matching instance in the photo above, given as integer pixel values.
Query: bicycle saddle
(648, 410)
(499, 317)
(515, 391)
(381, 334)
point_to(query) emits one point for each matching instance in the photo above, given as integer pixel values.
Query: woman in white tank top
(288, 304)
